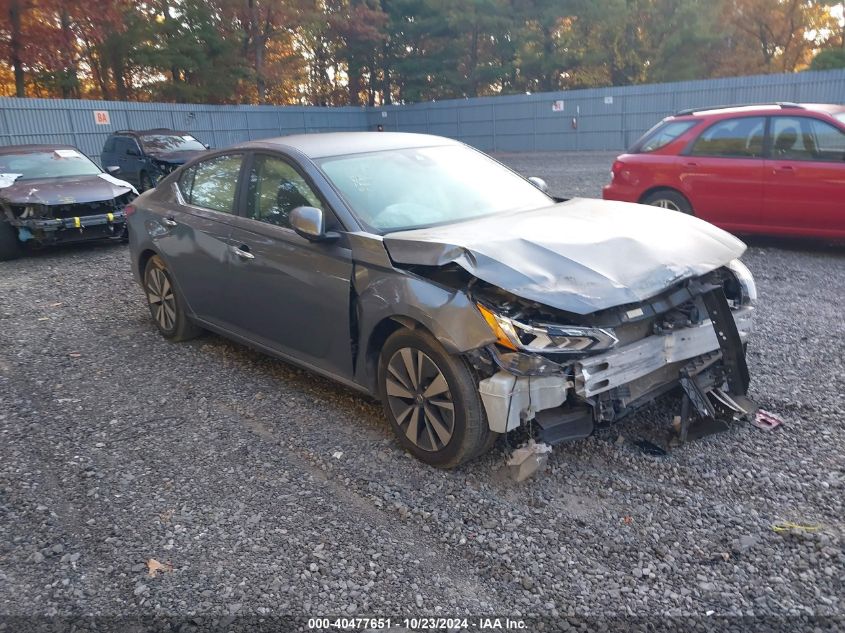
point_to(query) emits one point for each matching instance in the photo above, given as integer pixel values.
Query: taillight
(128, 210)
(614, 171)
(620, 173)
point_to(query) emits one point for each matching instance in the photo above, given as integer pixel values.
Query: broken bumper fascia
(511, 399)
(78, 222)
(618, 367)
(73, 229)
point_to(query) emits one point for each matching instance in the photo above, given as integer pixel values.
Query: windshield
(171, 143)
(411, 188)
(58, 163)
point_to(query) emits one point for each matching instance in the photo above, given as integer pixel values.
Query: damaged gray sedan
(51, 194)
(468, 300)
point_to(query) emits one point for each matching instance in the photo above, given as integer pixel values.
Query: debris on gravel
(262, 489)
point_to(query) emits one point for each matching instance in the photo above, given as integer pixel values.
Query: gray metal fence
(594, 119)
(74, 122)
(604, 118)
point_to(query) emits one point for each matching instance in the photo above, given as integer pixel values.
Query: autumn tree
(772, 35)
(334, 52)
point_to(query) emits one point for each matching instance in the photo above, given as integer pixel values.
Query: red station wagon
(769, 169)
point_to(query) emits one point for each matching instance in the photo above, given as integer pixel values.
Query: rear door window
(122, 145)
(212, 184)
(806, 138)
(732, 138)
(663, 134)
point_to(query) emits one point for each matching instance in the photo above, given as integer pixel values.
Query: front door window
(275, 189)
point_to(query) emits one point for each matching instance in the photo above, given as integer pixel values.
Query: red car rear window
(661, 135)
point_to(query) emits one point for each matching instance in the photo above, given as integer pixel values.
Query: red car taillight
(619, 173)
(614, 171)
(128, 210)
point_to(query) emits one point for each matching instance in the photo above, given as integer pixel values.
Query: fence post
(72, 128)
(493, 116)
(624, 127)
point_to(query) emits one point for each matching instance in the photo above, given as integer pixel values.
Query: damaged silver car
(52, 194)
(463, 296)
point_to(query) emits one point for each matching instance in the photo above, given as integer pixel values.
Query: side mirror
(133, 151)
(114, 170)
(539, 183)
(310, 223)
(207, 146)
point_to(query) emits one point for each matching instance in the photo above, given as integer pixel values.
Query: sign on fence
(557, 106)
(101, 117)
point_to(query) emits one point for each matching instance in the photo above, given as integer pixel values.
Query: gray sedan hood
(66, 190)
(579, 256)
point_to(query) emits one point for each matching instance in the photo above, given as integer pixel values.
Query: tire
(145, 182)
(10, 245)
(436, 411)
(166, 305)
(668, 199)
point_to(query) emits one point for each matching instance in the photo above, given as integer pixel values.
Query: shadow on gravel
(795, 244)
(71, 249)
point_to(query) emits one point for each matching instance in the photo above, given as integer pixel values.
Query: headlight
(29, 211)
(745, 280)
(547, 338)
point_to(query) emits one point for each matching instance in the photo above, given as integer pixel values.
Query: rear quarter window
(732, 138)
(662, 135)
(186, 182)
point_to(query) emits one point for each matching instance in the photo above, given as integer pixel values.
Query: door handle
(242, 251)
(784, 169)
(691, 164)
(169, 221)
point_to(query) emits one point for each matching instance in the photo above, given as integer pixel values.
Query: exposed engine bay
(46, 224)
(565, 373)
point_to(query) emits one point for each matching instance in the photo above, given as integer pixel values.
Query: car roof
(21, 149)
(760, 108)
(327, 144)
(160, 130)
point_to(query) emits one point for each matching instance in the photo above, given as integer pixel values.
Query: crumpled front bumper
(76, 222)
(73, 229)
(621, 366)
(510, 400)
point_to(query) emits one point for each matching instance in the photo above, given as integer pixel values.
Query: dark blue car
(146, 156)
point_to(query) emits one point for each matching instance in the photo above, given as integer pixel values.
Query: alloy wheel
(419, 399)
(663, 203)
(161, 299)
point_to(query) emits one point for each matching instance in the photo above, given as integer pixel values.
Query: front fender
(447, 313)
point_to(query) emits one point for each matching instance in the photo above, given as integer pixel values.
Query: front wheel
(431, 400)
(166, 306)
(668, 199)
(10, 245)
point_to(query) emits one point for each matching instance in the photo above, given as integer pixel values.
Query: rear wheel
(431, 400)
(166, 306)
(10, 245)
(668, 199)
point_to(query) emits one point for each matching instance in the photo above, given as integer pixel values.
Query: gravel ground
(264, 490)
